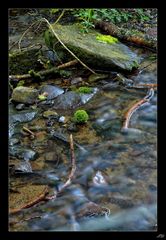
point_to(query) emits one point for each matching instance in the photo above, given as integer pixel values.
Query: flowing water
(115, 183)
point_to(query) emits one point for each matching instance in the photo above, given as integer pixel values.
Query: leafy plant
(86, 16)
(81, 116)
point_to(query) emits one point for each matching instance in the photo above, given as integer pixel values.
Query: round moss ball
(81, 116)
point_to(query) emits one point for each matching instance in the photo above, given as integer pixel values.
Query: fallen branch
(146, 85)
(135, 107)
(125, 34)
(43, 73)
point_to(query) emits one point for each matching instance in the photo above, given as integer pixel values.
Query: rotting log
(140, 39)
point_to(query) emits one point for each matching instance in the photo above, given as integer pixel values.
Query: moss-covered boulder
(91, 50)
(25, 95)
(21, 62)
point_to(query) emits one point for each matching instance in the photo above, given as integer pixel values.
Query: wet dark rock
(50, 114)
(14, 141)
(25, 95)
(86, 97)
(53, 91)
(122, 202)
(96, 77)
(76, 80)
(62, 119)
(111, 86)
(11, 129)
(20, 106)
(72, 127)
(22, 153)
(23, 167)
(152, 187)
(69, 100)
(24, 116)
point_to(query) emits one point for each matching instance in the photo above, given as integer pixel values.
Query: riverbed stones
(50, 114)
(69, 100)
(25, 95)
(52, 91)
(91, 51)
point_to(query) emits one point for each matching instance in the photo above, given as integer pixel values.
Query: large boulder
(91, 51)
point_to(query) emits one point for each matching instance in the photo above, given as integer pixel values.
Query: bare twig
(60, 16)
(19, 42)
(73, 165)
(68, 64)
(29, 131)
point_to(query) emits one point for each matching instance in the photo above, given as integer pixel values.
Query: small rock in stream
(50, 114)
(25, 95)
(69, 100)
(52, 91)
(20, 106)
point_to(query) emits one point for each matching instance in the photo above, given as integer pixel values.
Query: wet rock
(109, 115)
(86, 97)
(76, 80)
(11, 129)
(93, 52)
(23, 167)
(53, 91)
(96, 77)
(24, 95)
(72, 127)
(99, 179)
(111, 86)
(24, 116)
(152, 187)
(22, 153)
(69, 100)
(62, 119)
(14, 141)
(50, 114)
(20, 106)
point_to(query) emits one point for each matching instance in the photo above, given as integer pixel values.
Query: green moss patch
(106, 39)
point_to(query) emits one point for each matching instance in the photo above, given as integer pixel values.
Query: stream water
(115, 183)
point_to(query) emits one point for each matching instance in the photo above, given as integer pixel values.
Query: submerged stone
(91, 51)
